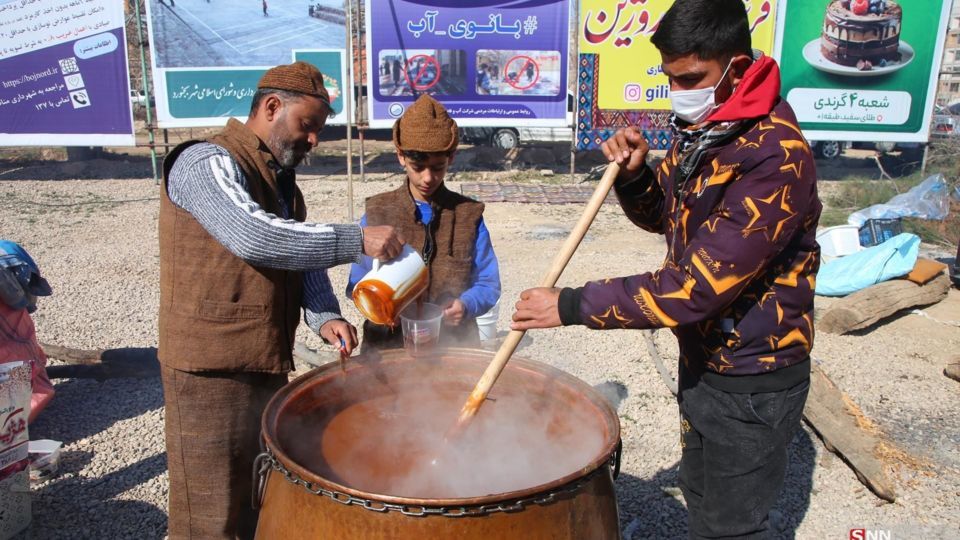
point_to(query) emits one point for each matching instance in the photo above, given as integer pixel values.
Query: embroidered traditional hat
(426, 127)
(300, 77)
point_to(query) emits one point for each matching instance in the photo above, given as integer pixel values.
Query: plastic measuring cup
(421, 328)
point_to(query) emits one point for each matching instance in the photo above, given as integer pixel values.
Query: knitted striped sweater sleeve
(208, 183)
(320, 304)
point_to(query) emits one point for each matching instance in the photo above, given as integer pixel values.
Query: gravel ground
(96, 242)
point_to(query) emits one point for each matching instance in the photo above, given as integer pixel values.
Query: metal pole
(573, 154)
(361, 103)
(576, 70)
(147, 93)
(348, 100)
(923, 162)
(360, 130)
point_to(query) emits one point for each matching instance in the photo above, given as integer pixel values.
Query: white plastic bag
(929, 199)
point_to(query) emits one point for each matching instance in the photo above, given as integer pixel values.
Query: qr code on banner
(69, 65)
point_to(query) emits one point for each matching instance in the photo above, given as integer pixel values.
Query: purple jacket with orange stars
(737, 285)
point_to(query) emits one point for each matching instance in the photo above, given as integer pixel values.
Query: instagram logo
(632, 92)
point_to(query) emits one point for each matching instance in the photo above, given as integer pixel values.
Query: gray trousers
(212, 424)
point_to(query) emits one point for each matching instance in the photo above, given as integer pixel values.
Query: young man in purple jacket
(736, 200)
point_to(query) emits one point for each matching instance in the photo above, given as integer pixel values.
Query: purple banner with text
(489, 62)
(63, 74)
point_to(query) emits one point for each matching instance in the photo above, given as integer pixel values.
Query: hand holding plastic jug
(389, 287)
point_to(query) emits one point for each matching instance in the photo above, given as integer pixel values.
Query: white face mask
(694, 106)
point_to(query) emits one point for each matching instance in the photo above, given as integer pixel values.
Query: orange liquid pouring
(381, 304)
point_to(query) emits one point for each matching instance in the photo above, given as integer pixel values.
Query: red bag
(18, 342)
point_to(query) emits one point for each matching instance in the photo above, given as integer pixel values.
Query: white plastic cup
(45, 458)
(421, 328)
(487, 323)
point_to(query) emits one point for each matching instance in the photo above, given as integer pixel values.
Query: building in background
(948, 92)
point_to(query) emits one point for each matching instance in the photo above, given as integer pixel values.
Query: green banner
(861, 69)
(203, 94)
(211, 93)
(330, 63)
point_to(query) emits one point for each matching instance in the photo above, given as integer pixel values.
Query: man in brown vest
(237, 263)
(445, 227)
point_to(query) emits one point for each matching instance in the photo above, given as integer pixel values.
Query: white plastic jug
(388, 288)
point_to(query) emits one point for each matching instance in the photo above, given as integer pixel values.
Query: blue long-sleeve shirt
(484, 290)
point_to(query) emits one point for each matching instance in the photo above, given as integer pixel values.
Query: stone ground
(93, 229)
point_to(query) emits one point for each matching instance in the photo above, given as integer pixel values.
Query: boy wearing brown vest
(445, 227)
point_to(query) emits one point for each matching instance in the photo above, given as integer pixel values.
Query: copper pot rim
(275, 406)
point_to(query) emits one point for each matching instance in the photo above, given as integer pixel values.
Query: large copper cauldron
(300, 501)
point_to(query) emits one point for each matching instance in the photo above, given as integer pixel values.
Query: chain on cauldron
(266, 461)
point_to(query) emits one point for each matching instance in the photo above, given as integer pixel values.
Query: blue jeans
(735, 457)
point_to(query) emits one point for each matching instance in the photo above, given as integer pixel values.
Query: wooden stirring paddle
(509, 345)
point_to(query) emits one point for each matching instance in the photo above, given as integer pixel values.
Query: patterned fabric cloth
(694, 143)
(737, 283)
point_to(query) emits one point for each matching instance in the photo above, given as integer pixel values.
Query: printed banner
(489, 62)
(207, 56)
(63, 74)
(620, 81)
(862, 70)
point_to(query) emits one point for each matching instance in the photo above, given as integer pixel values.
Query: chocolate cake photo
(860, 38)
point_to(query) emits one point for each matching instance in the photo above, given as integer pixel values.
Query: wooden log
(868, 306)
(72, 356)
(831, 417)
(952, 369)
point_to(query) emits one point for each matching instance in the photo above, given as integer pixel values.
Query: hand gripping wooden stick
(509, 345)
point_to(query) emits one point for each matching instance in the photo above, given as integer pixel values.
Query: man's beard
(284, 149)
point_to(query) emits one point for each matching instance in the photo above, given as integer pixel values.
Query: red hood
(755, 96)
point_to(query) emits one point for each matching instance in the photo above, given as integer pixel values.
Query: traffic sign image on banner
(416, 71)
(524, 73)
(423, 72)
